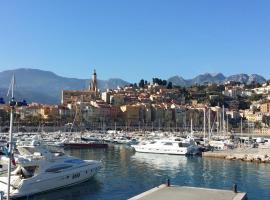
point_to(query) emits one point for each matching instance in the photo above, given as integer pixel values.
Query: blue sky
(134, 39)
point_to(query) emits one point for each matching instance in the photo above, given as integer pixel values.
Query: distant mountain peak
(215, 74)
(218, 75)
(178, 80)
(217, 78)
(27, 70)
(247, 79)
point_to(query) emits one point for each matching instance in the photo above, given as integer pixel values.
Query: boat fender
(2, 195)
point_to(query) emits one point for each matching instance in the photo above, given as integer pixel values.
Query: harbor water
(126, 174)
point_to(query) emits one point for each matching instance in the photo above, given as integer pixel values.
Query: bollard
(168, 182)
(235, 188)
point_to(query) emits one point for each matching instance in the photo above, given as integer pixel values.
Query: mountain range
(216, 78)
(36, 85)
(41, 86)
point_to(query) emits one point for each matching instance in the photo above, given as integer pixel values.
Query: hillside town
(155, 105)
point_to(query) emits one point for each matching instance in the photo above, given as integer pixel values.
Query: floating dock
(189, 193)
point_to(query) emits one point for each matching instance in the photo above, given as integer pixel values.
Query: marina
(141, 100)
(125, 174)
(35, 167)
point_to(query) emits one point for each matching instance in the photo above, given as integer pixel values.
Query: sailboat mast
(204, 125)
(191, 127)
(10, 143)
(218, 122)
(223, 121)
(209, 124)
(227, 124)
(241, 129)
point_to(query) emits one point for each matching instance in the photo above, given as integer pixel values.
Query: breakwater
(259, 155)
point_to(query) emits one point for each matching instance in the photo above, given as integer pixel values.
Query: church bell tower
(93, 83)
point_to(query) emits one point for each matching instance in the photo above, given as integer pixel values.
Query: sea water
(126, 173)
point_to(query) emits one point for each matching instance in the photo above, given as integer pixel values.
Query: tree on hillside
(243, 103)
(145, 82)
(164, 82)
(141, 83)
(266, 120)
(255, 97)
(215, 88)
(169, 86)
(217, 101)
(253, 85)
(159, 81)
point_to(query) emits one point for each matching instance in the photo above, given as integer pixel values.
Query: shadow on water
(81, 191)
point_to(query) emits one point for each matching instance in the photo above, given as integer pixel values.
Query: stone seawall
(258, 155)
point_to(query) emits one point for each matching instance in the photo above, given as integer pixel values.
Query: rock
(239, 156)
(249, 158)
(230, 157)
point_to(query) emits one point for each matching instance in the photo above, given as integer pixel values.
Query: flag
(13, 160)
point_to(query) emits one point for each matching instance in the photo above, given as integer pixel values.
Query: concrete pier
(189, 193)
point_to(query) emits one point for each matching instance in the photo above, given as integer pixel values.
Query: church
(73, 96)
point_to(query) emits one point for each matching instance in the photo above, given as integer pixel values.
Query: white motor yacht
(39, 170)
(166, 146)
(221, 144)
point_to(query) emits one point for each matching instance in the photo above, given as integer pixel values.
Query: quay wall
(258, 155)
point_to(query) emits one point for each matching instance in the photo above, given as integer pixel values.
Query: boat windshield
(168, 143)
(181, 144)
(58, 168)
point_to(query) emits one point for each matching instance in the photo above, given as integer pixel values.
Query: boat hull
(86, 145)
(54, 182)
(179, 151)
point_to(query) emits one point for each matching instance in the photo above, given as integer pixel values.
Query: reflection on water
(173, 164)
(79, 191)
(126, 173)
